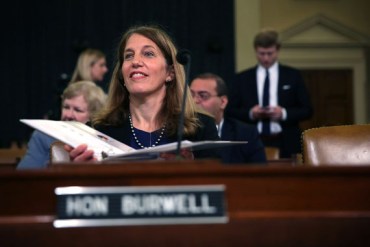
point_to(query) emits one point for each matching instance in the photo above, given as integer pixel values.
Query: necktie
(218, 130)
(265, 103)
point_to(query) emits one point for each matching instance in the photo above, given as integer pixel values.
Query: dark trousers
(275, 140)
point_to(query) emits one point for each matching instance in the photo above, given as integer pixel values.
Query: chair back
(337, 145)
(10, 157)
(57, 153)
(272, 153)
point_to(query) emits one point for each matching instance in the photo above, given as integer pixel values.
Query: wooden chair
(57, 153)
(9, 157)
(337, 145)
(272, 153)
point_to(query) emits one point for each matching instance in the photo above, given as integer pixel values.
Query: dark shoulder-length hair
(117, 108)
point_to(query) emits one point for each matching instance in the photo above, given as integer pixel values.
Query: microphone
(184, 58)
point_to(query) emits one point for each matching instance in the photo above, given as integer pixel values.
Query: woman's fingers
(80, 153)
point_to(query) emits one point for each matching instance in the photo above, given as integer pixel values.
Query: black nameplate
(144, 205)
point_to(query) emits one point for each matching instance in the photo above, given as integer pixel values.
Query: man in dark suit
(271, 96)
(210, 93)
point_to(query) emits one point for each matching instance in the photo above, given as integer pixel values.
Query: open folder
(105, 147)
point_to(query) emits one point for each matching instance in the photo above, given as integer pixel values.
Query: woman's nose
(70, 114)
(137, 61)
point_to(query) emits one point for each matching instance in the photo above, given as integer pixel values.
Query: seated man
(210, 93)
(80, 101)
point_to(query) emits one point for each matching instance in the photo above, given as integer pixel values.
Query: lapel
(253, 87)
(227, 134)
(227, 131)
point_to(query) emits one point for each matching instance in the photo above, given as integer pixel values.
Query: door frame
(335, 58)
(320, 42)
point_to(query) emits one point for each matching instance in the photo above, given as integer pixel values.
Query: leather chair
(337, 145)
(58, 154)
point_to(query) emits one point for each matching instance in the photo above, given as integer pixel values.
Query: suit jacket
(292, 95)
(252, 152)
(207, 131)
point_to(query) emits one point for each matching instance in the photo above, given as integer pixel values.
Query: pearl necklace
(137, 140)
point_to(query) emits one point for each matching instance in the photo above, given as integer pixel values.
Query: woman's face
(144, 67)
(99, 69)
(75, 109)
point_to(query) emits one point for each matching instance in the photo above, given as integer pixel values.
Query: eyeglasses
(202, 96)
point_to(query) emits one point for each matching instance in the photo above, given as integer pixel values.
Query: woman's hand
(80, 153)
(185, 154)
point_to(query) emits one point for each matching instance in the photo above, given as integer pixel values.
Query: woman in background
(80, 102)
(91, 66)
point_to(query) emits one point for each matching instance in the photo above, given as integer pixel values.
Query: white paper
(170, 147)
(76, 133)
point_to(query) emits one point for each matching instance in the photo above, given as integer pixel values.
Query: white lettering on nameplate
(140, 205)
(166, 204)
(87, 205)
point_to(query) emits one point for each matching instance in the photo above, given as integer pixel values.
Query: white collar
(219, 127)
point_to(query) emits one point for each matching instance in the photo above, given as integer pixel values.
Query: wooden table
(267, 206)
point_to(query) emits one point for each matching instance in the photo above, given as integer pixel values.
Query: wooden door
(331, 93)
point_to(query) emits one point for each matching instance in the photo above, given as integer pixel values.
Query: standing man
(272, 96)
(209, 92)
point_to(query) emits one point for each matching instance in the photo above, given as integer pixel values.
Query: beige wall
(252, 15)
(282, 14)
(247, 24)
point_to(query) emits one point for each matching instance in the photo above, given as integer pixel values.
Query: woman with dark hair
(145, 97)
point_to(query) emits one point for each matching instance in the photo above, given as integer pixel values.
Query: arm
(38, 151)
(254, 151)
(207, 131)
(243, 97)
(297, 100)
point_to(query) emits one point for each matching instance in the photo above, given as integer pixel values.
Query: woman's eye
(78, 110)
(128, 56)
(149, 54)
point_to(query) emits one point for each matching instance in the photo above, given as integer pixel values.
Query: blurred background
(327, 39)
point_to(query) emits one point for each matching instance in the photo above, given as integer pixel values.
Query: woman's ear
(170, 74)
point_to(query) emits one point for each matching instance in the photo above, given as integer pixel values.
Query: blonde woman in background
(91, 66)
